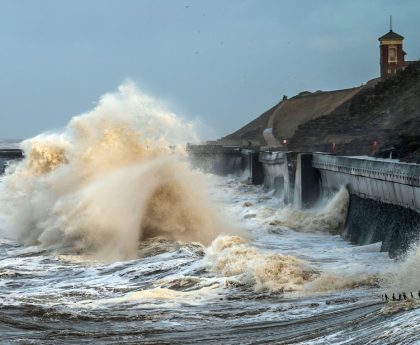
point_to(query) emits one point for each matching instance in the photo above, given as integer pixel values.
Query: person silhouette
(399, 297)
(411, 294)
(393, 297)
(386, 297)
(404, 295)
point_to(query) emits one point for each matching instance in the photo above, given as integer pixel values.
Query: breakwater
(384, 194)
(7, 155)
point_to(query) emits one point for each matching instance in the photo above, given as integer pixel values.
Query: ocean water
(109, 237)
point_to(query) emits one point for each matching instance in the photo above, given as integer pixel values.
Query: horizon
(59, 65)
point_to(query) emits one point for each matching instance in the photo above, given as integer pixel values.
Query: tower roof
(391, 35)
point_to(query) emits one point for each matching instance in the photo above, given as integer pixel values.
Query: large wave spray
(114, 176)
(330, 218)
(406, 273)
(233, 257)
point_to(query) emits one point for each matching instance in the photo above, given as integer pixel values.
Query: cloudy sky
(219, 62)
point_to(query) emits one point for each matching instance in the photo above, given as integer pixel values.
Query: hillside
(347, 121)
(305, 107)
(388, 113)
(286, 116)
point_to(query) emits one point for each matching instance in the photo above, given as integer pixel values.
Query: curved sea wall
(371, 221)
(384, 198)
(387, 181)
(384, 194)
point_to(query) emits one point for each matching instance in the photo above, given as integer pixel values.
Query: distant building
(392, 55)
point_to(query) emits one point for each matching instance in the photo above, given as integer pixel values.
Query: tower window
(392, 54)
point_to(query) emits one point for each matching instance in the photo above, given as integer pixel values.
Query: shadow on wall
(370, 221)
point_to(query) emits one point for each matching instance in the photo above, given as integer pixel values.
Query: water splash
(233, 257)
(406, 274)
(330, 218)
(112, 177)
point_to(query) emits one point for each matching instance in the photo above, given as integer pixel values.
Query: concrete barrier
(7, 155)
(279, 173)
(384, 194)
(384, 199)
(225, 160)
(386, 181)
(217, 159)
(254, 167)
(306, 182)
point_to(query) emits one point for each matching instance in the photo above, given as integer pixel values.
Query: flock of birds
(401, 296)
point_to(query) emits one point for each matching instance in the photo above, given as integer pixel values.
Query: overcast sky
(221, 62)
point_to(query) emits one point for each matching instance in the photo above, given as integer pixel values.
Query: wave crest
(113, 176)
(231, 256)
(331, 218)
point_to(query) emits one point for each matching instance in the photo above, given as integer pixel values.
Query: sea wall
(7, 155)
(228, 160)
(384, 194)
(371, 221)
(216, 159)
(279, 173)
(384, 198)
(386, 181)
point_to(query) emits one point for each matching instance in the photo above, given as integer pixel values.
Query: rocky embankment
(380, 121)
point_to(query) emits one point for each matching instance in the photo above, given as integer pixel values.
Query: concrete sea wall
(384, 194)
(371, 221)
(386, 181)
(279, 173)
(7, 155)
(384, 198)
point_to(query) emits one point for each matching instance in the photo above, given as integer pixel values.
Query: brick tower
(391, 53)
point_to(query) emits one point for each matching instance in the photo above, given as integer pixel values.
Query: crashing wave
(232, 257)
(114, 176)
(330, 218)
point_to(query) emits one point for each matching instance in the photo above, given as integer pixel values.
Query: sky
(219, 63)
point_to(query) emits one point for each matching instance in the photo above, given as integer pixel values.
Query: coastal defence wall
(216, 159)
(384, 194)
(384, 198)
(7, 155)
(228, 160)
(386, 181)
(278, 171)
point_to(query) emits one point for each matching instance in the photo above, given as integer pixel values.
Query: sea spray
(405, 275)
(336, 281)
(112, 177)
(330, 218)
(232, 257)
